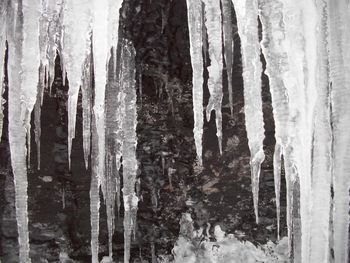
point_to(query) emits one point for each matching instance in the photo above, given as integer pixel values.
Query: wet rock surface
(170, 180)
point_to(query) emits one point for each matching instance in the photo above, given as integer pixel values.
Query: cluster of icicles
(85, 34)
(306, 45)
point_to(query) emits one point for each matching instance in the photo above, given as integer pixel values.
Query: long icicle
(339, 56)
(24, 62)
(76, 43)
(3, 15)
(228, 45)
(213, 23)
(247, 20)
(322, 150)
(271, 17)
(129, 144)
(195, 26)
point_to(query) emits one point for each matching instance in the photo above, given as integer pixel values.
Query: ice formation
(247, 21)
(213, 24)
(195, 27)
(227, 27)
(306, 48)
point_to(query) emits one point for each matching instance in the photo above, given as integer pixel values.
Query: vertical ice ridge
(228, 45)
(129, 122)
(271, 17)
(76, 43)
(195, 26)
(213, 23)
(339, 55)
(247, 20)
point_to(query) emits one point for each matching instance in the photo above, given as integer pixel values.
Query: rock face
(170, 182)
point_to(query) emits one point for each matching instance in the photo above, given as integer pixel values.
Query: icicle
(76, 46)
(194, 12)
(23, 67)
(37, 112)
(247, 20)
(271, 17)
(339, 55)
(228, 45)
(129, 145)
(86, 90)
(3, 15)
(322, 151)
(213, 25)
(50, 35)
(114, 141)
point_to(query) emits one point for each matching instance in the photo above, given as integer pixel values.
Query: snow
(247, 20)
(195, 26)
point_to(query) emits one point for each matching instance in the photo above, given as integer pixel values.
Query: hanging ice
(228, 45)
(247, 20)
(3, 14)
(194, 13)
(339, 55)
(321, 173)
(129, 144)
(23, 65)
(76, 43)
(213, 24)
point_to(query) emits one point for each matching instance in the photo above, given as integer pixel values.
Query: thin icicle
(86, 90)
(228, 45)
(76, 44)
(339, 39)
(195, 19)
(213, 24)
(37, 112)
(3, 15)
(129, 144)
(247, 20)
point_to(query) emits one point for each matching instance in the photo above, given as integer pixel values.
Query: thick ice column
(228, 45)
(195, 26)
(247, 20)
(339, 54)
(322, 150)
(129, 144)
(76, 44)
(213, 24)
